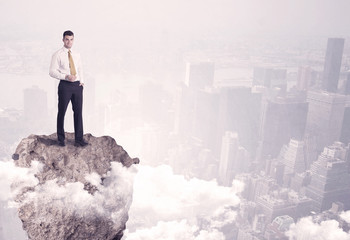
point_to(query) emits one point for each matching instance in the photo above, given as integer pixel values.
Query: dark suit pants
(70, 91)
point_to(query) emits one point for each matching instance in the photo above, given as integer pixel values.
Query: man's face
(68, 41)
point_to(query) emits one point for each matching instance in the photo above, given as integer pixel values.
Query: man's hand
(71, 78)
(81, 84)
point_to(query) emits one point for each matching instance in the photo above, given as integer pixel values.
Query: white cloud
(18, 177)
(345, 216)
(116, 191)
(326, 230)
(174, 230)
(165, 205)
(163, 199)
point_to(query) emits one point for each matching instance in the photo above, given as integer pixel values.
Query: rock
(81, 193)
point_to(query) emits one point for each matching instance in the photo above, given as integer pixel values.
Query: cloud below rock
(164, 200)
(117, 186)
(17, 177)
(175, 230)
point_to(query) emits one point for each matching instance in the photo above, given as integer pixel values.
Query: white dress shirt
(59, 67)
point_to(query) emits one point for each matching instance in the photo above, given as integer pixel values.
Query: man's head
(68, 39)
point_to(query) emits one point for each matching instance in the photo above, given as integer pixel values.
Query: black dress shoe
(81, 143)
(61, 143)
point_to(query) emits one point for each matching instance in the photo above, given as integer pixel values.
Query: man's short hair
(68, 33)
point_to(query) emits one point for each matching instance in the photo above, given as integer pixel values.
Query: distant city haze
(238, 110)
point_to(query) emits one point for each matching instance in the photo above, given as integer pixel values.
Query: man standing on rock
(66, 66)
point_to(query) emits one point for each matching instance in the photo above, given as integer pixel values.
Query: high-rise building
(293, 157)
(229, 148)
(332, 64)
(205, 119)
(306, 77)
(325, 118)
(233, 158)
(345, 129)
(300, 180)
(283, 203)
(275, 169)
(199, 75)
(281, 120)
(347, 85)
(330, 180)
(239, 111)
(197, 115)
(184, 110)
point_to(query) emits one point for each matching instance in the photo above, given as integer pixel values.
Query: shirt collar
(66, 49)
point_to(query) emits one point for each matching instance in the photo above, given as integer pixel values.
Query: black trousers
(70, 91)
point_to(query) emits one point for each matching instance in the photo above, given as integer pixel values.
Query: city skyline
(237, 111)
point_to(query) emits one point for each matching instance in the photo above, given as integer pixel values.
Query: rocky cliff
(80, 193)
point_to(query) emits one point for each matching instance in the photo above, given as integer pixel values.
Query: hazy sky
(95, 22)
(115, 18)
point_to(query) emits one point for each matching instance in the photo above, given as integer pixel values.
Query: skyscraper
(332, 64)
(184, 110)
(205, 122)
(306, 78)
(281, 120)
(330, 180)
(325, 118)
(239, 111)
(233, 158)
(347, 85)
(293, 157)
(345, 130)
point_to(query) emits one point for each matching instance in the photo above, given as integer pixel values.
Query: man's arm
(54, 68)
(80, 71)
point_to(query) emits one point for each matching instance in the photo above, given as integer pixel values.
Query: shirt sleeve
(54, 68)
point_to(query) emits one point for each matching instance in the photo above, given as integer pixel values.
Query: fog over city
(239, 111)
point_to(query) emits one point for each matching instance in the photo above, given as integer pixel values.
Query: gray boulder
(81, 192)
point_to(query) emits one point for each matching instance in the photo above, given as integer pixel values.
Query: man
(66, 66)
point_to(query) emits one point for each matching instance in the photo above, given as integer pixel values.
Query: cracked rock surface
(81, 192)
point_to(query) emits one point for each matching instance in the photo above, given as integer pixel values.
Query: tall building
(184, 110)
(293, 157)
(330, 180)
(233, 158)
(256, 185)
(306, 77)
(239, 111)
(347, 85)
(199, 75)
(283, 203)
(325, 118)
(345, 129)
(332, 64)
(205, 119)
(281, 120)
(197, 115)
(275, 169)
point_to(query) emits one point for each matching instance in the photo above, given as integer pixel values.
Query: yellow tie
(71, 64)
